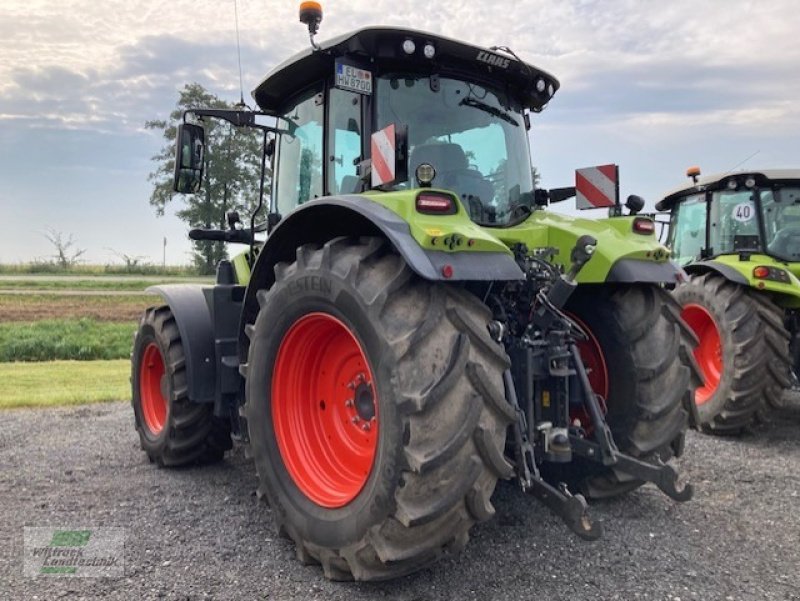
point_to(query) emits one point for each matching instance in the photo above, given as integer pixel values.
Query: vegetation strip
(93, 284)
(82, 339)
(100, 307)
(63, 383)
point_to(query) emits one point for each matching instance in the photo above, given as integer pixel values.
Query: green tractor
(737, 235)
(408, 324)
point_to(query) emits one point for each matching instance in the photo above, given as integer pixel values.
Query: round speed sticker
(744, 211)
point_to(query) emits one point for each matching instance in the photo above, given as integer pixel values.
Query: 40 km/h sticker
(744, 211)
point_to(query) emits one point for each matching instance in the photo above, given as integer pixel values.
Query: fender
(354, 215)
(196, 327)
(650, 272)
(725, 271)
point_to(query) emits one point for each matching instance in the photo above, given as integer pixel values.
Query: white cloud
(648, 84)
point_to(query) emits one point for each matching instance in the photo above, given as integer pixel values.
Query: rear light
(762, 272)
(432, 203)
(644, 226)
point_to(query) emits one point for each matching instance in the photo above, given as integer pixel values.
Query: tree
(67, 254)
(133, 263)
(231, 180)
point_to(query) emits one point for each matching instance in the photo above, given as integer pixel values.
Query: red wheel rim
(597, 371)
(151, 374)
(593, 359)
(324, 410)
(709, 349)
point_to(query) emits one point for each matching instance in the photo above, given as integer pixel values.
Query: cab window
(344, 141)
(688, 231)
(299, 176)
(733, 213)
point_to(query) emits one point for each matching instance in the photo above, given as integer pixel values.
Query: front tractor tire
(743, 351)
(173, 430)
(638, 358)
(375, 410)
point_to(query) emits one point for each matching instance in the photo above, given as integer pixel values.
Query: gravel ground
(201, 534)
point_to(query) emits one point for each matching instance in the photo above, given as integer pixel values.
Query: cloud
(140, 85)
(652, 86)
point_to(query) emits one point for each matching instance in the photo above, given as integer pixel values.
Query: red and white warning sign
(384, 160)
(596, 187)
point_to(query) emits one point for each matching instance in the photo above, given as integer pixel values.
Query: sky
(652, 86)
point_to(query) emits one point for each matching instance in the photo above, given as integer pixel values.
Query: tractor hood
(381, 49)
(622, 253)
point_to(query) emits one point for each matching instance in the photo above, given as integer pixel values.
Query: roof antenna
(740, 163)
(311, 15)
(239, 55)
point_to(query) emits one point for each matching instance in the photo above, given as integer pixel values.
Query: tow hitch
(553, 377)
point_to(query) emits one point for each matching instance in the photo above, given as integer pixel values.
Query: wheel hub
(365, 401)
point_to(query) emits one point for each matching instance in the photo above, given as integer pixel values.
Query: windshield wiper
(487, 108)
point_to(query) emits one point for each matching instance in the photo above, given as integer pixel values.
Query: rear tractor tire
(173, 430)
(743, 351)
(375, 409)
(638, 359)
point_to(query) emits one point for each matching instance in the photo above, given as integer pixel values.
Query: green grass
(47, 267)
(127, 285)
(81, 339)
(63, 383)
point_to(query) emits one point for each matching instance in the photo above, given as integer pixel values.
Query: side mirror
(189, 158)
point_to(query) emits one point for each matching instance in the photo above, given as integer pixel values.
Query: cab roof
(763, 177)
(380, 50)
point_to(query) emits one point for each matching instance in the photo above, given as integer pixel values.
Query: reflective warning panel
(353, 79)
(384, 162)
(597, 187)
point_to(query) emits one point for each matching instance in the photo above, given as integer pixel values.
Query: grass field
(50, 268)
(118, 284)
(67, 340)
(63, 383)
(81, 339)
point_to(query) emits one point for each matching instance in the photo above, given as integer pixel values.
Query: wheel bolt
(349, 403)
(365, 426)
(355, 419)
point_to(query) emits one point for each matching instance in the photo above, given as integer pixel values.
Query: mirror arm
(236, 118)
(260, 194)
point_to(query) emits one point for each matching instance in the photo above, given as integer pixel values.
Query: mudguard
(354, 215)
(649, 272)
(725, 271)
(196, 327)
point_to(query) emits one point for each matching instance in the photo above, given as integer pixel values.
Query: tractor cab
(739, 214)
(396, 109)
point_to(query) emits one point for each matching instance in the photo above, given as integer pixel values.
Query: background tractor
(414, 326)
(738, 237)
